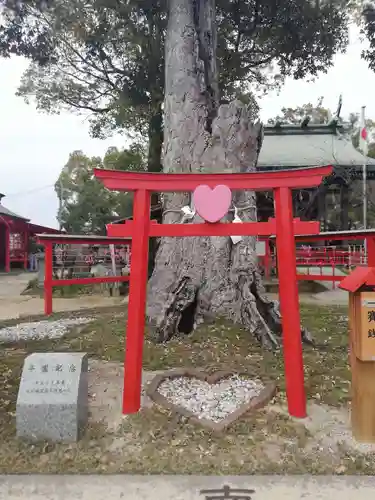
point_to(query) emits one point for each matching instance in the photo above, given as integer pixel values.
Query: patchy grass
(32, 288)
(155, 441)
(72, 290)
(66, 292)
(224, 346)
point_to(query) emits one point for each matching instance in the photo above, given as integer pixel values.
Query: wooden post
(363, 400)
(48, 265)
(362, 351)
(7, 249)
(25, 249)
(137, 303)
(289, 303)
(363, 376)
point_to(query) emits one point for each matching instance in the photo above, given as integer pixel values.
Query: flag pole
(364, 177)
(365, 195)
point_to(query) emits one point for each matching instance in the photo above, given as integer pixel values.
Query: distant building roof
(32, 228)
(295, 146)
(9, 213)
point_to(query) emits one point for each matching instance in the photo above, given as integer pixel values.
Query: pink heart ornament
(212, 204)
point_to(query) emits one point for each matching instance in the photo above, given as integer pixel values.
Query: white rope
(189, 214)
(186, 210)
(236, 220)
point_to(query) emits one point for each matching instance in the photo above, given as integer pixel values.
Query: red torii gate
(141, 228)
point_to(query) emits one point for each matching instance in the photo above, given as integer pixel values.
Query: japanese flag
(363, 136)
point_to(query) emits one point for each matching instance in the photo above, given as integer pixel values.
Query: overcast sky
(34, 147)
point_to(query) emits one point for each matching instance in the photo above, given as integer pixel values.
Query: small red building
(15, 232)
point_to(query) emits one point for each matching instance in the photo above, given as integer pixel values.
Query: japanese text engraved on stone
(50, 377)
(53, 396)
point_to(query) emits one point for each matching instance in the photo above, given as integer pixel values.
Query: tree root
(258, 314)
(269, 310)
(182, 297)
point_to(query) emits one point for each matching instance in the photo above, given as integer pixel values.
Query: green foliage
(368, 29)
(102, 57)
(294, 116)
(132, 159)
(319, 114)
(107, 57)
(87, 206)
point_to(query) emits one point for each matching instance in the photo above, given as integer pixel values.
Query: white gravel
(212, 402)
(39, 330)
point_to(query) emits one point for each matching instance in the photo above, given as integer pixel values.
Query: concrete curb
(129, 487)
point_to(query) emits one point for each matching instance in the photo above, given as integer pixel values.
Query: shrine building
(311, 145)
(15, 232)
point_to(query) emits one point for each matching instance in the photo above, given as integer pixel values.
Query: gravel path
(213, 402)
(39, 330)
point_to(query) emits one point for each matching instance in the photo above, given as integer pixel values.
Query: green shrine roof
(288, 146)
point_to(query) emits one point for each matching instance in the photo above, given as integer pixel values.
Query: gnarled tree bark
(199, 278)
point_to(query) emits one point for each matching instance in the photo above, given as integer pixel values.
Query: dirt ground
(22, 306)
(156, 440)
(105, 392)
(25, 306)
(325, 432)
(14, 305)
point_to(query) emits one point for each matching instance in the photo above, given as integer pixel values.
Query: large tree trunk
(199, 278)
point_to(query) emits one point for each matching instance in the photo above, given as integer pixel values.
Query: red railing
(323, 263)
(81, 262)
(320, 263)
(338, 255)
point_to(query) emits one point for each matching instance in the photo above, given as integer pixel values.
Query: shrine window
(15, 241)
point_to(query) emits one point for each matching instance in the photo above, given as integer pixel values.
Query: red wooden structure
(15, 232)
(48, 240)
(322, 256)
(367, 235)
(141, 228)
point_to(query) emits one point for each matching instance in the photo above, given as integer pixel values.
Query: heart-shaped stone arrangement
(214, 401)
(212, 204)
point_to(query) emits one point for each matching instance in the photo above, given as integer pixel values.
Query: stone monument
(52, 400)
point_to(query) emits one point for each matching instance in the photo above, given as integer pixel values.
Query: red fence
(320, 262)
(83, 260)
(324, 262)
